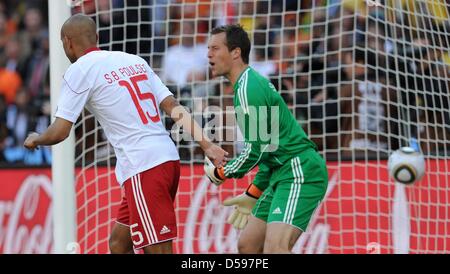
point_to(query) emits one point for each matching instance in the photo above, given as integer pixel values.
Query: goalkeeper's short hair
(236, 37)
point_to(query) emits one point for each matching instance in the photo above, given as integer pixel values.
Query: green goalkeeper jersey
(271, 133)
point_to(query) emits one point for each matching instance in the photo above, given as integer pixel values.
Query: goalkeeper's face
(220, 58)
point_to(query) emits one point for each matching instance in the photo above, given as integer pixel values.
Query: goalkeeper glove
(214, 174)
(244, 204)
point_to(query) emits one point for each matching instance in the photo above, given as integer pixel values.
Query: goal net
(363, 78)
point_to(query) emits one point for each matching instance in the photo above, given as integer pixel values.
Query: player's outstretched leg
(251, 240)
(280, 238)
(120, 240)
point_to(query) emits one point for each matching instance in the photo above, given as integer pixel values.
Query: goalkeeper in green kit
(292, 178)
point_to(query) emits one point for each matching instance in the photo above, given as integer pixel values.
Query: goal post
(63, 156)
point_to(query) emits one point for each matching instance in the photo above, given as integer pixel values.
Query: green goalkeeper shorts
(295, 191)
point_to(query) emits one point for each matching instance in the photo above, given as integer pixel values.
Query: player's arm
(246, 161)
(75, 92)
(57, 132)
(254, 147)
(180, 116)
(254, 113)
(262, 178)
(236, 168)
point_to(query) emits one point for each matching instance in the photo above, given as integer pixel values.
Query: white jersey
(124, 94)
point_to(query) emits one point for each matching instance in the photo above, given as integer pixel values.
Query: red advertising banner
(25, 211)
(363, 212)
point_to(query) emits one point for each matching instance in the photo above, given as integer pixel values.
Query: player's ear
(67, 41)
(236, 53)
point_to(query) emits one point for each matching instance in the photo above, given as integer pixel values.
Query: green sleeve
(262, 178)
(245, 162)
(251, 114)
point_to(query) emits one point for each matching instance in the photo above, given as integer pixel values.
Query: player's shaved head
(81, 29)
(78, 34)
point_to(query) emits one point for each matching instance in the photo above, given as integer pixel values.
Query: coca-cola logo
(26, 221)
(315, 239)
(206, 229)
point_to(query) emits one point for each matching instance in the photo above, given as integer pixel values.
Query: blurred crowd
(24, 79)
(361, 78)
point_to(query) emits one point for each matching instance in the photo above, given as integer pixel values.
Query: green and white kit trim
(294, 194)
(242, 91)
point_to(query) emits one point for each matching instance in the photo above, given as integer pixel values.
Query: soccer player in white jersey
(126, 96)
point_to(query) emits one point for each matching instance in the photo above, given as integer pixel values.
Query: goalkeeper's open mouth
(213, 68)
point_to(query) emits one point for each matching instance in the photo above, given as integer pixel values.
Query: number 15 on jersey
(138, 98)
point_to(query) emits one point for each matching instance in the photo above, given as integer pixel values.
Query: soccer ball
(406, 165)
